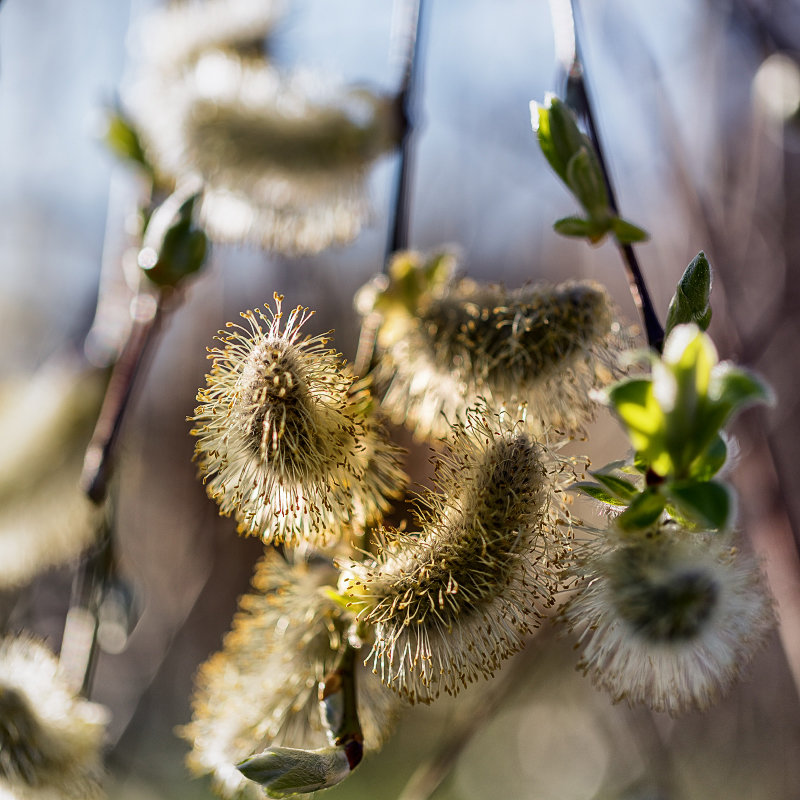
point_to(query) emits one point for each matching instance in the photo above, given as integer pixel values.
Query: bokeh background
(697, 103)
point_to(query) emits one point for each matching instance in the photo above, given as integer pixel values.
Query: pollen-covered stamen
(282, 417)
(452, 602)
(285, 441)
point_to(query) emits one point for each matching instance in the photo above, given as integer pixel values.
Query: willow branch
(407, 98)
(98, 463)
(79, 643)
(577, 95)
(406, 102)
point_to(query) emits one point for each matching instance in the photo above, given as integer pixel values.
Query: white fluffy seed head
(670, 621)
(285, 443)
(543, 348)
(261, 689)
(447, 605)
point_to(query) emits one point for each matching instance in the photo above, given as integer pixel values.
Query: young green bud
(174, 247)
(690, 303)
(286, 771)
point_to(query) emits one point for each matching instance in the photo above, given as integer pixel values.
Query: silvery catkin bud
(669, 621)
(450, 603)
(283, 439)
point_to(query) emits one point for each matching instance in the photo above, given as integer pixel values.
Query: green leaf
(174, 247)
(540, 120)
(123, 140)
(594, 230)
(557, 132)
(708, 503)
(585, 179)
(627, 233)
(690, 303)
(710, 461)
(634, 403)
(619, 487)
(644, 511)
(734, 388)
(597, 492)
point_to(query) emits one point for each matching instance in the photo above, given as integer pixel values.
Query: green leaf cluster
(174, 247)
(674, 420)
(573, 158)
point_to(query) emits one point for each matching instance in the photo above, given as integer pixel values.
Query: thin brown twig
(406, 102)
(98, 463)
(79, 642)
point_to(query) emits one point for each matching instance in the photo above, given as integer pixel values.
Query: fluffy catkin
(447, 605)
(545, 348)
(261, 689)
(282, 158)
(50, 739)
(285, 440)
(670, 621)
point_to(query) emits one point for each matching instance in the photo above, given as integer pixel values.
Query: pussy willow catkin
(545, 348)
(261, 689)
(284, 440)
(671, 620)
(449, 604)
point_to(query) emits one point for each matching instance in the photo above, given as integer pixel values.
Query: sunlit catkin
(261, 689)
(671, 620)
(50, 739)
(172, 37)
(284, 442)
(545, 348)
(282, 157)
(450, 603)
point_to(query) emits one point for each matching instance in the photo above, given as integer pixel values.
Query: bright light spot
(777, 86)
(147, 258)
